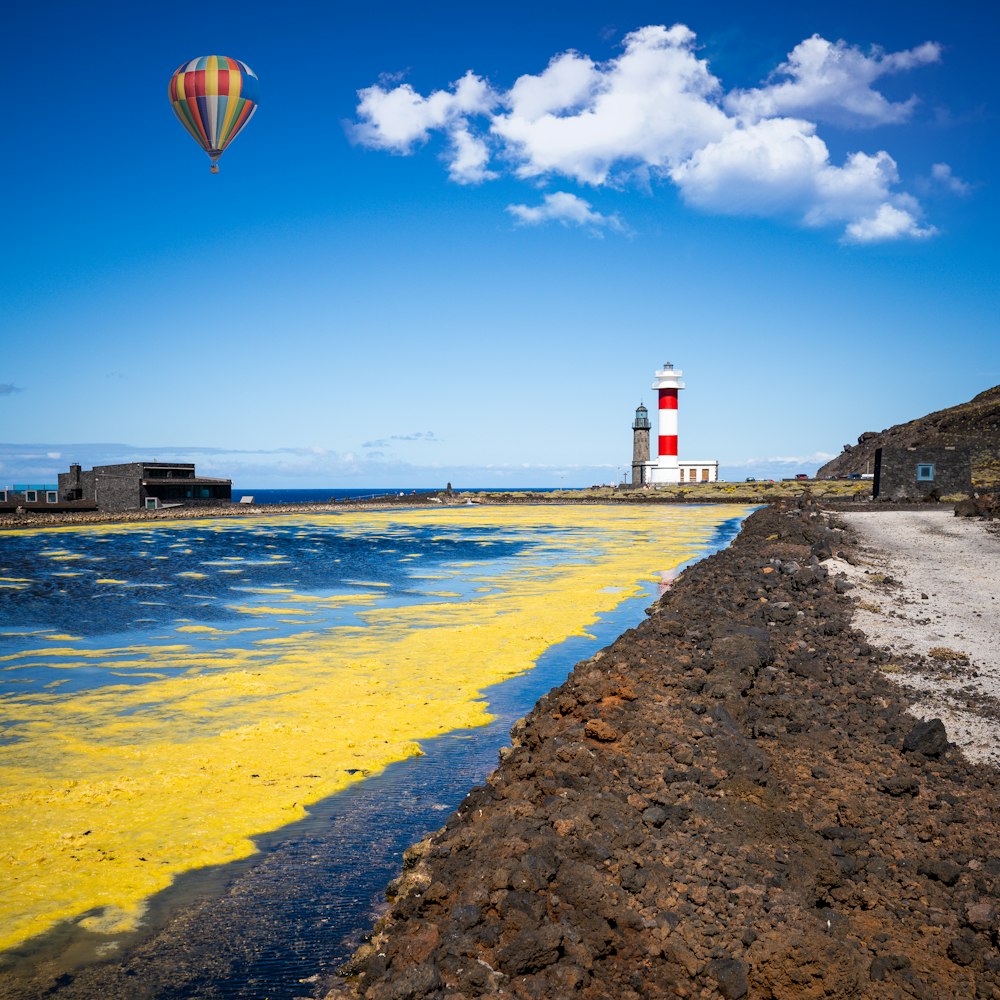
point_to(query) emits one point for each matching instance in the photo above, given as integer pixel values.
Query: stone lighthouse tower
(640, 446)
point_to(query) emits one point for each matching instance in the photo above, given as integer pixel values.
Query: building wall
(896, 473)
(699, 472)
(22, 497)
(77, 479)
(117, 487)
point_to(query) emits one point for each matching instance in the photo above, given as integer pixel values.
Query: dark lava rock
(941, 871)
(731, 977)
(929, 738)
(532, 949)
(885, 964)
(900, 784)
(964, 949)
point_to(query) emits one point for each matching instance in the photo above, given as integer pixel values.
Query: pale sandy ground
(947, 596)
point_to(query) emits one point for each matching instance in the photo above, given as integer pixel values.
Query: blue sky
(455, 242)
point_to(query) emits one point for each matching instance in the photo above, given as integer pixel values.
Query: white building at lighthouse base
(682, 472)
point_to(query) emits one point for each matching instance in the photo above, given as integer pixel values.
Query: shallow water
(148, 738)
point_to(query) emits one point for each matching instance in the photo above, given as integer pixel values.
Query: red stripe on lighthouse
(668, 400)
(668, 444)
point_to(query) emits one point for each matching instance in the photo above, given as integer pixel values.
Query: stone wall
(896, 472)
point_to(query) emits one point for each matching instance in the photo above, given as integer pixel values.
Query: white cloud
(469, 158)
(941, 174)
(764, 169)
(566, 208)
(399, 118)
(653, 105)
(779, 166)
(832, 82)
(655, 112)
(888, 223)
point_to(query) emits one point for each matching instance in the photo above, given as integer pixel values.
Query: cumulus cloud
(779, 166)
(568, 209)
(652, 106)
(941, 174)
(832, 82)
(655, 112)
(398, 119)
(888, 223)
(6, 389)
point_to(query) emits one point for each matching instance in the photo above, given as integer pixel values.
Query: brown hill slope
(975, 423)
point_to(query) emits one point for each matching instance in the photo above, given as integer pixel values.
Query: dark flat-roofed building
(139, 485)
(922, 473)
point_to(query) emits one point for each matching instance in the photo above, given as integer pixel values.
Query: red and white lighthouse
(667, 467)
(667, 385)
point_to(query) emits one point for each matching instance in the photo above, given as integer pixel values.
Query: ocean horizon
(328, 494)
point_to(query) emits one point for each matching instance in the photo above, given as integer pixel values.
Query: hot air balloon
(214, 97)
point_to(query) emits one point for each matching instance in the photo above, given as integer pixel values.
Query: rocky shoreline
(730, 800)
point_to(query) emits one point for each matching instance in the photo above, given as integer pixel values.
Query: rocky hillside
(975, 423)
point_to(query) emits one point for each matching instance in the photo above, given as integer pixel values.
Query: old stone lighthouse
(667, 468)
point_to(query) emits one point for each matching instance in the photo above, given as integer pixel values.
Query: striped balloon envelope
(214, 97)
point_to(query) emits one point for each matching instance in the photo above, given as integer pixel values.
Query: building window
(51, 496)
(31, 496)
(3, 496)
(925, 473)
(704, 475)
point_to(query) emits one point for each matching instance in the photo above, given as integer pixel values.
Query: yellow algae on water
(191, 575)
(107, 794)
(109, 580)
(334, 600)
(221, 632)
(256, 609)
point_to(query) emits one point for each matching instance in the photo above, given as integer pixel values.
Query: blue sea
(329, 494)
(296, 910)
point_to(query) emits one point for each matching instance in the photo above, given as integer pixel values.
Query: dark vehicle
(750, 479)
(853, 475)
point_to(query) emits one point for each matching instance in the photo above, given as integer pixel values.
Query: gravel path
(928, 589)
